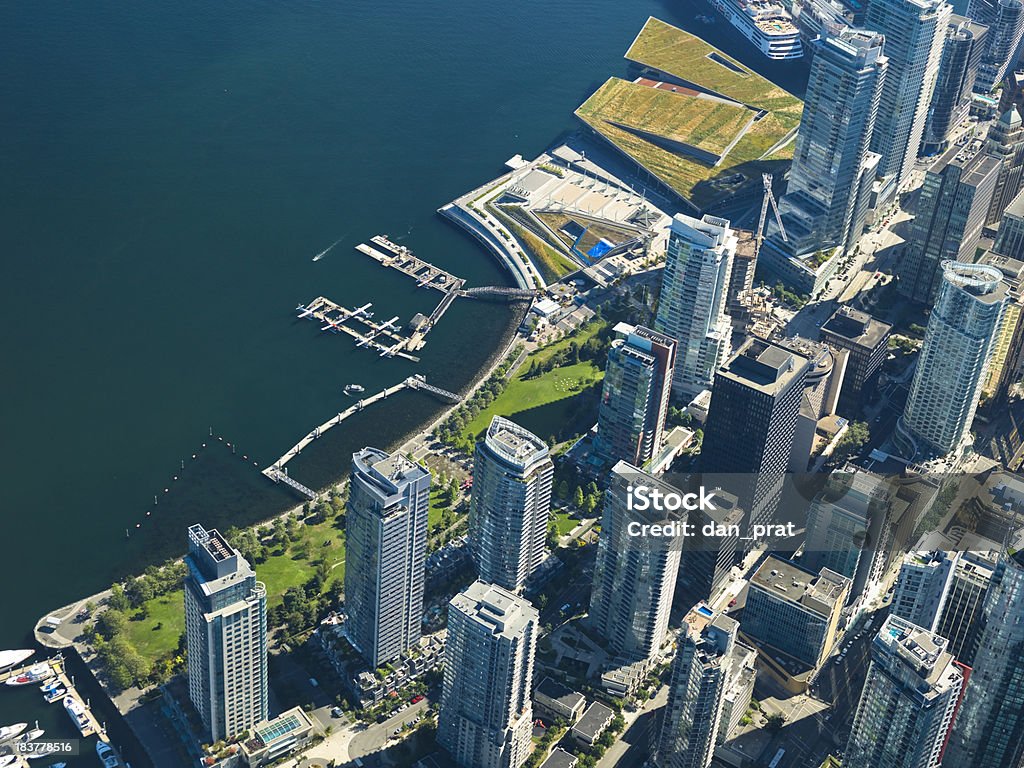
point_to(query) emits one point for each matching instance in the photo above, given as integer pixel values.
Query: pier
(426, 275)
(382, 337)
(401, 258)
(277, 471)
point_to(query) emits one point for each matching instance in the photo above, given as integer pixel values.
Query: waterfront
(170, 173)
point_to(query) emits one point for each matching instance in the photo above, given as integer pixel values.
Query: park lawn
(158, 633)
(438, 506)
(280, 572)
(565, 523)
(525, 394)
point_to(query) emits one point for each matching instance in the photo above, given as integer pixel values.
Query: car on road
(336, 712)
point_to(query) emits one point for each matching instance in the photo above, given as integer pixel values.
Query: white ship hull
(779, 46)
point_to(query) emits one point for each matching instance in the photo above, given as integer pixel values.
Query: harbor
(56, 685)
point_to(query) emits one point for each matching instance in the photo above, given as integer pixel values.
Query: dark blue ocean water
(167, 173)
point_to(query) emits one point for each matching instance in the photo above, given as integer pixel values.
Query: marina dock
(381, 337)
(277, 471)
(401, 258)
(89, 724)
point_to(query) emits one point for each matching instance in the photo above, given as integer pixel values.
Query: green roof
(706, 124)
(670, 50)
(656, 127)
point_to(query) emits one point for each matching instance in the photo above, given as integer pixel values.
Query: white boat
(765, 23)
(10, 731)
(54, 694)
(32, 735)
(354, 389)
(9, 760)
(106, 754)
(34, 674)
(76, 710)
(10, 658)
(50, 685)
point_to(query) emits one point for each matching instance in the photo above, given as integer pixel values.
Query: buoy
(138, 525)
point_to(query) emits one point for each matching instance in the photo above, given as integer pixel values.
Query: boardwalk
(277, 471)
(295, 450)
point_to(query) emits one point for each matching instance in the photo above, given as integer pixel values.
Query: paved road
(375, 737)
(632, 747)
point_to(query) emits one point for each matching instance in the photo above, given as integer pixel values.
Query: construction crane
(769, 197)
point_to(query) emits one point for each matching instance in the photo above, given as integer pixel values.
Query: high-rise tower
(951, 369)
(386, 529)
(635, 395)
(508, 514)
(486, 716)
(693, 300)
(907, 705)
(226, 635)
(914, 32)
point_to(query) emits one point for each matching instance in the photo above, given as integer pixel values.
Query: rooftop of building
(857, 327)
(976, 163)
(982, 281)
(559, 758)
(561, 694)
(594, 720)
(215, 564)
(764, 366)
(514, 443)
(504, 612)
(784, 579)
(387, 471)
(923, 651)
(286, 726)
(1016, 206)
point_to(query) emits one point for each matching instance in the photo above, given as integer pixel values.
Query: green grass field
(158, 633)
(549, 388)
(564, 523)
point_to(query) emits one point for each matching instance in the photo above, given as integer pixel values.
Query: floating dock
(401, 258)
(384, 338)
(277, 471)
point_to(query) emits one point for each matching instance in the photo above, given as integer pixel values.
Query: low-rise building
(593, 723)
(559, 758)
(556, 701)
(273, 739)
(867, 341)
(622, 677)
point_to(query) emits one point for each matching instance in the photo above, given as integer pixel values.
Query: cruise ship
(766, 24)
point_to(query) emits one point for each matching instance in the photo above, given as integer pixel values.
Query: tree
(577, 498)
(111, 623)
(563, 490)
(118, 600)
(850, 444)
(775, 722)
